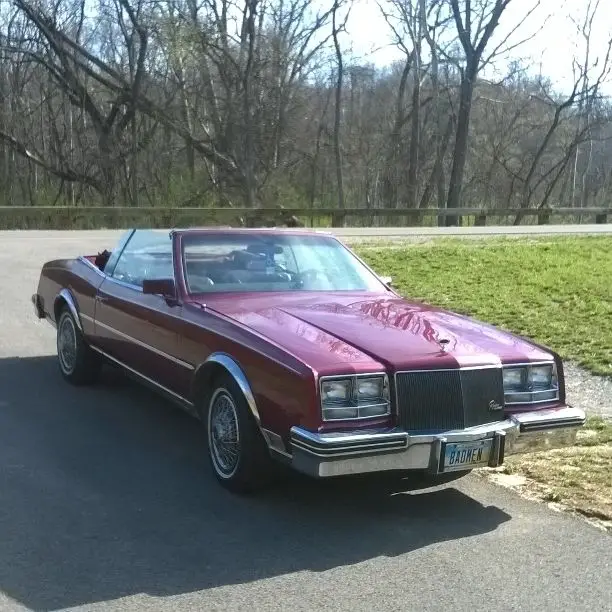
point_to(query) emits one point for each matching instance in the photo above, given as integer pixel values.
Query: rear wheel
(78, 364)
(236, 449)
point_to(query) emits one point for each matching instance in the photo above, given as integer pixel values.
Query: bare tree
(475, 27)
(189, 102)
(584, 94)
(337, 28)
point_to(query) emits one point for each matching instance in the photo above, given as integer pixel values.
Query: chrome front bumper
(335, 454)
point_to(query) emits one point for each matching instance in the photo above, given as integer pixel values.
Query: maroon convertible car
(289, 348)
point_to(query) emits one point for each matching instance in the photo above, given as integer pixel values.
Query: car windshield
(273, 262)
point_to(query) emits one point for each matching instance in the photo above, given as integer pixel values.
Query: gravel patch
(587, 391)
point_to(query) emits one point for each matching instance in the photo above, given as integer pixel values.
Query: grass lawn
(578, 477)
(557, 291)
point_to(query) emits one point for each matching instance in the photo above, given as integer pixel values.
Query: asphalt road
(107, 503)
(473, 232)
(102, 238)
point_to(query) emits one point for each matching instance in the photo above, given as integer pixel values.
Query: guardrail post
(480, 220)
(113, 218)
(168, 220)
(601, 218)
(544, 217)
(412, 218)
(338, 219)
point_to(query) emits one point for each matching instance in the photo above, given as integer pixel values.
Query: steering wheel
(310, 275)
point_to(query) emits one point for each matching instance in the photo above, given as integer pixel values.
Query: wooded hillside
(257, 103)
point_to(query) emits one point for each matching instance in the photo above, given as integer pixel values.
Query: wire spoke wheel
(224, 433)
(67, 344)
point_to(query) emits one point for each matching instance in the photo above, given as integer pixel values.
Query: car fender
(65, 296)
(231, 366)
(273, 441)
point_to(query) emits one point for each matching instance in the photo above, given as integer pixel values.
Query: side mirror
(160, 286)
(388, 280)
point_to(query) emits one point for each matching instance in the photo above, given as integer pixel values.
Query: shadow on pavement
(106, 492)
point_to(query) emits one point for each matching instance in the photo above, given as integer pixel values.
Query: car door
(136, 329)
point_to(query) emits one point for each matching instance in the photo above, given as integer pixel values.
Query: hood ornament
(443, 342)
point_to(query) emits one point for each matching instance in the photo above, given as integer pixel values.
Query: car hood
(331, 331)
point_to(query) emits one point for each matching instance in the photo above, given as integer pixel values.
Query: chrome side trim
(276, 443)
(88, 263)
(174, 395)
(347, 451)
(549, 419)
(39, 310)
(66, 295)
(346, 444)
(124, 284)
(235, 371)
(176, 360)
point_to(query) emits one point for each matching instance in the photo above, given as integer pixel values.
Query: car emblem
(443, 342)
(493, 406)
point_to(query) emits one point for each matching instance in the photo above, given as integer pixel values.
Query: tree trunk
(338, 112)
(461, 142)
(415, 132)
(436, 179)
(391, 176)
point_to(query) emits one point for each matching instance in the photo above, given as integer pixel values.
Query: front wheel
(78, 364)
(236, 449)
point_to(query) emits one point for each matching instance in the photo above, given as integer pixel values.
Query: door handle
(101, 298)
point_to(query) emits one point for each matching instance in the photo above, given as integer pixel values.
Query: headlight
(335, 390)
(513, 377)
(370, 388)
(529, 384)
(541, 377)
(354, 397)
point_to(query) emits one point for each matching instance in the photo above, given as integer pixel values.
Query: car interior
(226, 266)
(242, 269)
(252, 268)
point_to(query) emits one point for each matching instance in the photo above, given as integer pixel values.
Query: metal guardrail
(250, 216)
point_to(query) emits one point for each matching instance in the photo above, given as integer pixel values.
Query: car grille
(448, 399)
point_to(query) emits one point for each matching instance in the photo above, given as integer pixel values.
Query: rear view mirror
(388, 280)
(159, 286)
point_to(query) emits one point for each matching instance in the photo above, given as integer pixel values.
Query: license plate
(466, 455)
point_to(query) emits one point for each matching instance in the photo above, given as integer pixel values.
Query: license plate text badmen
(465, 455)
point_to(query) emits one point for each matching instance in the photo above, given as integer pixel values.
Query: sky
(554, 40)
(555, 43)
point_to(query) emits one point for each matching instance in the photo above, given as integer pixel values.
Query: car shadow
(106, 492)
